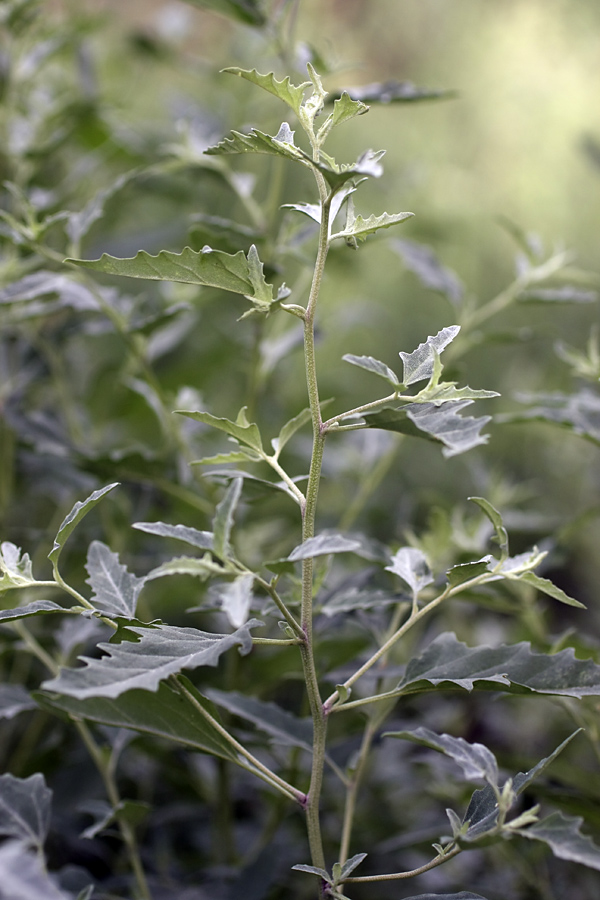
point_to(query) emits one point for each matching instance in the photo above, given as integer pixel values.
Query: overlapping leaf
(281, 725)
(443, 424)
(291, 94)
(116, 590)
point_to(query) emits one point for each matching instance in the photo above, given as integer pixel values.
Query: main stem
(308, 529)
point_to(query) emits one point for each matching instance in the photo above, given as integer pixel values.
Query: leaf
(354, 599)
(24, 875)
(397, 92)
(562, 834)
(496, 519)
(411, 565)
(223, 520)
(167, 713)
(359, 228)
(281, 725)
(188, 565)
(444, 424)
(236, 599)
(255, 141)
(201, 539)
(244, 454)
(344, 109)
(36, 608)
(419, 364)
(79, 223)
(464, 572)
(116, 590)
(241, 430)
(514, 668)
(475, 760)
(160, 651)
(463, 895)
(15, 567)
(234, 272)
(248, 12)
(313, 870)
(44, 283)
(322, 545)
(14, 699)
(422, 261)
(291, 94)
(351, 864)
(566, 294)
(375, 366)
(25, 809)
(290, 428)
(579, 412)
(547, 587)
(78, 512)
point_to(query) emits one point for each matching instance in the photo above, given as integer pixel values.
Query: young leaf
(323, 545)
(313, 870)
(375, 366)
(165, 713)
(563, 835)
(236, 599)
(241, 430)
(351, 864)
(419, 364)
(475, 760)
(223, 520)
(289, 429)
(201, 539)
(546, 587)
(78, 512)
(116, 590)
(411, 565)
(421, 260)
(344, 109)
(359, 228)
(15, 567)
(281, 725)
(496, 519)
(291, 94)
(160, 651)
(25, 809)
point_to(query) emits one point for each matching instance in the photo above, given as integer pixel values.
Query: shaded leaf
(313, 870)
(167, 713)
(223, 520)
(79, 223)
(419, 364)
(579, 412)
(547, 587)
(563, 835)
(397, 92)
(236, 599)
(116, 590)
(284, 727)
(202, 568)
(444, 424)
(464, 572)
(422, 261)
(410, 564)
(14, 699)
(25, 808)
(255, 141)
(463, 895)
(201, 539)
(375, 366)
(241, 430)
(290, 428)
(78, 512)
(44, 283)
(322, 545)
(244, 454)
(354, 599)
(291, 94)
(36, 608)
(496, 519)
(160, 651)
(475, 760)
(351, 864)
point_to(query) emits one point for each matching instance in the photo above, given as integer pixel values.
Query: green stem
(395, 876)
(352, 793)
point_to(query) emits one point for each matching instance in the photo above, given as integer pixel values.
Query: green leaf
(15, 567)
(244, 454)
(437, 423)
(313, 870)
(375, 366)
(546, 587)
(223, 520)
(248, 12)
(116, 590)
(496, 519)
(351, 864)
(344, 109)
(323, 545)
(464, 572)
(201, 539)
(513, 668)
(563, 835)
(281, 725)
(282, 144)
(236, 599)
(475, 760)
(188, 565)
(289, 429)
(419, 364)
(447, 391)
(70, 522)
(411, 565)
(36, 608)
(354, 599)
(160, 651)
(167, 713)
(25, 809)
(291, 94)
(359, 228)
(241, 429)
(422, 261)
(234, 272)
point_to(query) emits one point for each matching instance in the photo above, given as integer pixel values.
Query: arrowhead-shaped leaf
(116, 590)
(159, 652)
(563, 835)
(25, 809)
(78, 512)
(15, 567)
(167, 713)
(475, 760)
(419, 364)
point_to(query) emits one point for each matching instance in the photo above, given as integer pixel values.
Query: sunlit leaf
(437, 423)
(410, 564)
(203, 568)
(373, 365)
(397, 92)
(323, 545)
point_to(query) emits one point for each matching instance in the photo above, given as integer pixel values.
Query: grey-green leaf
(242, 431)
(24, 875)
(442, 424)
(236, 599)
(248, 12)
(421, 260)
(547, 587)
(25, 808)
(78, 512)
(281, 725)
(410, 564)
(323, 545)
(36, 608)
(360, 228)
(418, 365)
(579, 412)
(291, 94)
(289, 429)
(476, 760)
(496, 519)
(15, 567)
(563, 835)
(223, 520)
(14, 699)
(160, 651)
(375, 366)
(116, 590)
(201, 539)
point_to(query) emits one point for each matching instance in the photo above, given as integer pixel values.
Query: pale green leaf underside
(201, 539)
(203, 568)
(291, 94)
(160, 652)
(419, 364)
(410, 564)
(360, 227)
(370, 364)
(245, 433)
(115, 588)
(36, 608)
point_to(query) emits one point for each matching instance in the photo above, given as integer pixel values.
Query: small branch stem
(395, 876)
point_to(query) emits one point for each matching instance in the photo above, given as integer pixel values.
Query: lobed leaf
(116, 590)
(255, 141)
(344, 109)
(437, 423)
(419, 364)
(79, 511)
(25, 809)
(291, 94)
(161, 651)
(359, 228)
(464, 572)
